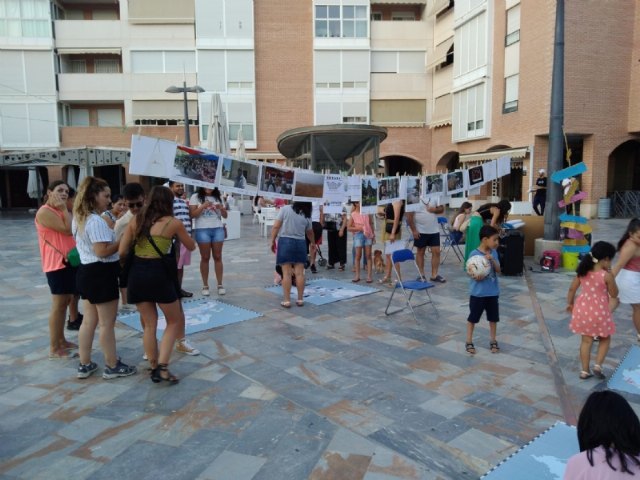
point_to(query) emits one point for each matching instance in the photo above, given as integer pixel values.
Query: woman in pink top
(53, 224)
(609, 439)
(361, 225)
(627, 270)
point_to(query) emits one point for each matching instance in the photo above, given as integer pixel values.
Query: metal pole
(187, 136)
(556, 138)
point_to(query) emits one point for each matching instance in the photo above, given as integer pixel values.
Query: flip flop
(369, 281)
(300, 303)
(584, 375)
(355, 280)
(285, 304)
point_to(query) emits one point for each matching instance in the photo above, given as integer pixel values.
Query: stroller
(320, 260)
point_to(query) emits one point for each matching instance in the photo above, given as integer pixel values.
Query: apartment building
(454, 83)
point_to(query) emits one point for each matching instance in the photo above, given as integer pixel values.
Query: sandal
(584, 375)
(355, 280)
(157, 376)
(493, 346)
(341, 268)
(285, 304)
(470, 348)
(597, 371)
(62, 354)
(384, 280)
(300, 303)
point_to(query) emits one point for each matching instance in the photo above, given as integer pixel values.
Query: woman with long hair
(153, 276)
(361, 225)
(627, 270)
(53, 224)
(609, 440)
(462, 215)
(207, 209)
(291, 226)
(494, 214)
(97, 278)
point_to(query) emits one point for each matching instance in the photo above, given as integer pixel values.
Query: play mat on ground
(626, 378)
(324, 290)
(200, 314)
(544, 458)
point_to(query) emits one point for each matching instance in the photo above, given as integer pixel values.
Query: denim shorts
(209, 235)
(291, 250)
(359, 240)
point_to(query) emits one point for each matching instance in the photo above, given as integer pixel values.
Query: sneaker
(205, 291)
(185, 294)
(221, 290)
(183, 346)
(120, 370)
(85, 371)
(75, 325)
(439, 279)
(145, 357)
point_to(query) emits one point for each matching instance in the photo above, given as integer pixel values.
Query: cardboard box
(533, 228)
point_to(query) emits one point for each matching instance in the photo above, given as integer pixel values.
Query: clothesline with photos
(203, 168)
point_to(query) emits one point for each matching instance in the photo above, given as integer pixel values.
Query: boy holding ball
(484, 289)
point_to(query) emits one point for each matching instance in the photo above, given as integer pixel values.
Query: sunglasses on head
(135, 204)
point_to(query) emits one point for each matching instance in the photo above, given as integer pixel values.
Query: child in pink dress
(591, 315)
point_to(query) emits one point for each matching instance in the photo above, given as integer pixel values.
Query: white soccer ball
(478, 267)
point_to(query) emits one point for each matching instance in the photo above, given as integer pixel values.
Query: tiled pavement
(333, 392)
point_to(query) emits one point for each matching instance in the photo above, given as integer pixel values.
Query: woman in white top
(207, 209)
(97, 278)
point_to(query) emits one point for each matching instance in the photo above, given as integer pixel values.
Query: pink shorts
(185, 257)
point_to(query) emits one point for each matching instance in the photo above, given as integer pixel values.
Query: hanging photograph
(369, 194)
(335, 192)
(455, 182)
(476, 175)
(504, 166)
(276, 182)
(308, 186)
(239, 176)
(414, 187)
(152, 157)
(388, 190)
(489, 170)
(434, 184)
(197, 168)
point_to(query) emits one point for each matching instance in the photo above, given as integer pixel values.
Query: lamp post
(184, 90)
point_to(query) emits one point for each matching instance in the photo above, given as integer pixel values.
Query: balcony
(391, 34)
(398, 86)
(95, 34)
(94, 87)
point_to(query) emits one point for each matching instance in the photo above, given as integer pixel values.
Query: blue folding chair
(408, 287)
(449, 243)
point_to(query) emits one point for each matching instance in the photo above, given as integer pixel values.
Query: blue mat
(200, 314)
(544, 458)
(324, 290)
(626, 378)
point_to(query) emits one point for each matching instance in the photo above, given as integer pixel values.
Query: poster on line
(308, 186)
(369, 195)
(239, 176)
(489, 171)
(476, 176)
(388, 190)
(334, 193)
(414, 188)
(354, 188)
(152, 157)
(455, 182)
(276, 182)
(194, 167)
(504, 166)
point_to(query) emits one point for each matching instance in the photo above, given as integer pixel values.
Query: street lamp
(184, 90)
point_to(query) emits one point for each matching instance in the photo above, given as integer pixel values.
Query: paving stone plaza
(339, 391)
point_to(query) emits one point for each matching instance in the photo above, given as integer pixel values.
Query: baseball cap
(542, 170)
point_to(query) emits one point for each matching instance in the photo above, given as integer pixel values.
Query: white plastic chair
(269, 217)
(409, 287)
(256, 214)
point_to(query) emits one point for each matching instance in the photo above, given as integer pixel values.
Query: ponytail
(599, 251)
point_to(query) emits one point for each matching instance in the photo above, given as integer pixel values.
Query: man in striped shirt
(181, 212)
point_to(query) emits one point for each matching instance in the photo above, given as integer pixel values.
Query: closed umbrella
(241, 153)
(218, 133)
(34, 184)
(71, 177)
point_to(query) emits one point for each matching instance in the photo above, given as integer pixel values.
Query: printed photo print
(239, 176)
(369, 192)
(277, 181)
(455, 182)
(434, 184)
(388, 190)
(413, 190)
(308, 185)
(476, 175)
(196, 169)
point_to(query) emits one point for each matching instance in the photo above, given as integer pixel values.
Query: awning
(398, 2)
(437, 6)
(440, 53)
(89, 50)
(520, 152)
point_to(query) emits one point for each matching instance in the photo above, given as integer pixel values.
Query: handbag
(388, 228)
(170, 264)
(71, 259)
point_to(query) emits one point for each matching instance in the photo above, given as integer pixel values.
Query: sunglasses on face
(135, 204)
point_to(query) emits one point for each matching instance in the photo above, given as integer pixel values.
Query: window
(403, 16)
(471, 42)
(78, 66)
(513, 26)
(354, 119)
(468, 114)
(398, 61)
(109, 117)
(510, 94)
(247, 131)
(163, 62)
(354, 21)
(25, 18)
(355, 84)
(348, 21)
(376, 16)
(328, 85)
(107, 65)
(327, 21)
(79, 117)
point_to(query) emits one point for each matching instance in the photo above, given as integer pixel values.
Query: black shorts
(427, 240)
(317, 231)
(98, 282)
(149, 281)
(477, 305)
(63, 281)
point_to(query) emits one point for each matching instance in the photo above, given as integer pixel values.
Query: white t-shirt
(426, 222)
(315, 212)
(209, 218)
(95, 230)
